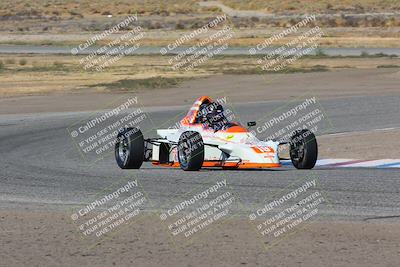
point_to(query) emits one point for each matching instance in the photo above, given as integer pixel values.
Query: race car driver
(212, 116)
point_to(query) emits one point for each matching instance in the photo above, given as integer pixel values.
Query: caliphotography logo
(288, 211)
(199, 211)
(97, 135)
(109, 212)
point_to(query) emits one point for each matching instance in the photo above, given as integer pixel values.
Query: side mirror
(251, 123)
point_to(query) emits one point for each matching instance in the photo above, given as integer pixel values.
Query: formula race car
(206, 138)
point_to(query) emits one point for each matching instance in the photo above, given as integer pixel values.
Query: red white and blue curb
(353, 163)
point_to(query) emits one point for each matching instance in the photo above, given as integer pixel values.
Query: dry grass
(314, 6)
(327, 41)
(47, 22)
(54, 73)
(86, 8)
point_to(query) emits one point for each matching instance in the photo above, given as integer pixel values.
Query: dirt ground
(42, 238)
(360, 145)
(49, 74)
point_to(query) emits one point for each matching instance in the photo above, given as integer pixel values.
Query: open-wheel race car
(206, 138)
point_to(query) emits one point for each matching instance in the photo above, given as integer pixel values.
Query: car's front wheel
(303, 149)
(190, 151)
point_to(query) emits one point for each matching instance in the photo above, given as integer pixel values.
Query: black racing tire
(129, 148)
(190, 151)
(303, 149)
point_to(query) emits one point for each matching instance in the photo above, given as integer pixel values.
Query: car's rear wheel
(303, 149)
(190, 151)
(129, 148)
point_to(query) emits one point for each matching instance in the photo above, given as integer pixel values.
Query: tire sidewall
(135, 146)
(310, 151)
(195, 159)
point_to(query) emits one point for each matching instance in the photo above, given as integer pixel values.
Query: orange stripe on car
(263, 149)
(259, 165)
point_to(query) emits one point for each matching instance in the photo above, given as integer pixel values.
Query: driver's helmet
(215, 114)
(212, 114)
(202, 115)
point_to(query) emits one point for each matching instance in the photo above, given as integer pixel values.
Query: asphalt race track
(42, 168)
